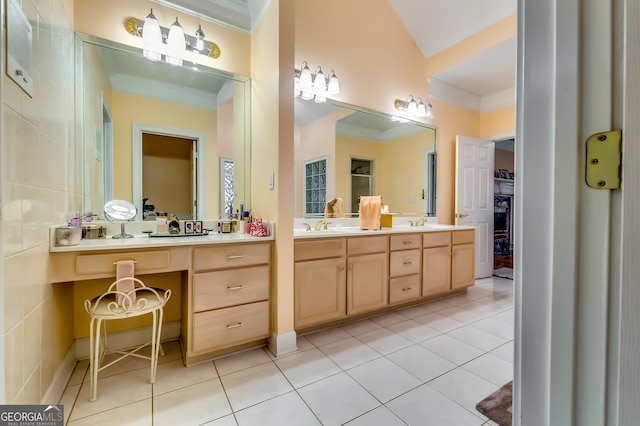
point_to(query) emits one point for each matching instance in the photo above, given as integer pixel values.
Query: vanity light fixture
(414, 107)
(172, 42)
(308, 85)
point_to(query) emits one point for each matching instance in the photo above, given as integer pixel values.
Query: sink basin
(314, 233)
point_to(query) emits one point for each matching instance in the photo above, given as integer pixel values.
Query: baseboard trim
(283, 344)
(61, 377)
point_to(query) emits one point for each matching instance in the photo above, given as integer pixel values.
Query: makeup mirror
(120, 211)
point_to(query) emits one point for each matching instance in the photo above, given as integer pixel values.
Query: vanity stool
(115, 304)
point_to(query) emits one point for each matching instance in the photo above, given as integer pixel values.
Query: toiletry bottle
(161, 223)
(174, 224)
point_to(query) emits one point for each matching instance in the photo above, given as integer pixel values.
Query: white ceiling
(435, 25)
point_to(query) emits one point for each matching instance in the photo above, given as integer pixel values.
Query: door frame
(199, 137)
(568, 266)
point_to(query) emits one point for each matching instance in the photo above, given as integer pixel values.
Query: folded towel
(370, 212)
(338, 209)
(125, 269)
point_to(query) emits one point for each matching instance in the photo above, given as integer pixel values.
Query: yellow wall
(105, 19)
(498, 121)
(372, 53)
(272, 146)
(129, 109)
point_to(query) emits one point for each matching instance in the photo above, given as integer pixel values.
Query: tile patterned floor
(424, 365)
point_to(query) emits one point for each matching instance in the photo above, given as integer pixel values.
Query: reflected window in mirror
(227, 187)
(315, 186)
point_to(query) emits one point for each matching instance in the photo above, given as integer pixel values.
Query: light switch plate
(272, 177)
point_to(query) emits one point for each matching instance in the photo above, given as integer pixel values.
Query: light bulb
(421, 110)
(429, 110)
(334, 85)
(199, 38)
(176, 39)
(412, 107)
(319, 82)
(151, 29)
(305, 77)
(151, 35)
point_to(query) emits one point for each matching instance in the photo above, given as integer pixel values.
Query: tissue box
(385, 220)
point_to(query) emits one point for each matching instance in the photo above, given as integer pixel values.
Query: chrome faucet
(321, 224)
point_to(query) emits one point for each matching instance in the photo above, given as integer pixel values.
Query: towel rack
(115, 263)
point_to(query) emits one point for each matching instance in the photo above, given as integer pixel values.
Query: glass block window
(315, 186)
(226, 182)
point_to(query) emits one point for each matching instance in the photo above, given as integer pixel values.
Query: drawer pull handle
(407, 263)
(238, 287)
(235, 256)
(236, 325)
(406, 242)
(406, 289)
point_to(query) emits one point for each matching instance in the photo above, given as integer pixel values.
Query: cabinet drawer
(405, 262)
(364, 245)
(230, 326)
(406, 241)
(463, 237)
(212, 290)
(404, 288)
(230, 256)
(436, 239)
(105, 263)
(318, 249)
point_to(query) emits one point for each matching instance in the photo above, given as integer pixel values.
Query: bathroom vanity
(224, 283)
(346, 274)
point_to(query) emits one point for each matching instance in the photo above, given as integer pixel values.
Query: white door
(474, 196)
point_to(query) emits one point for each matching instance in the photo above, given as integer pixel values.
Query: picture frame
(189, 227)
(504, 174)
(197, 227)
(511, 176)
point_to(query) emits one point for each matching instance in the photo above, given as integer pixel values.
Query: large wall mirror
(343, 151)
(166, 138)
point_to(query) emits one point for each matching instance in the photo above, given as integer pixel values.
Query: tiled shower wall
(38, 191)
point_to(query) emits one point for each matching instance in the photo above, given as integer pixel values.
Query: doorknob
(461, 215)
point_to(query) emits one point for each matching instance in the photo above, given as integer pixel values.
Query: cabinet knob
(341, 267)
(351, 267)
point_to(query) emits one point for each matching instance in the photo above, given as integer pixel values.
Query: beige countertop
(144, 242)
(352, 231)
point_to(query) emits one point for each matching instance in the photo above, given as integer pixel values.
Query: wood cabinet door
(436, 267)
(320, 291)
(462, 266)
(367, 283)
